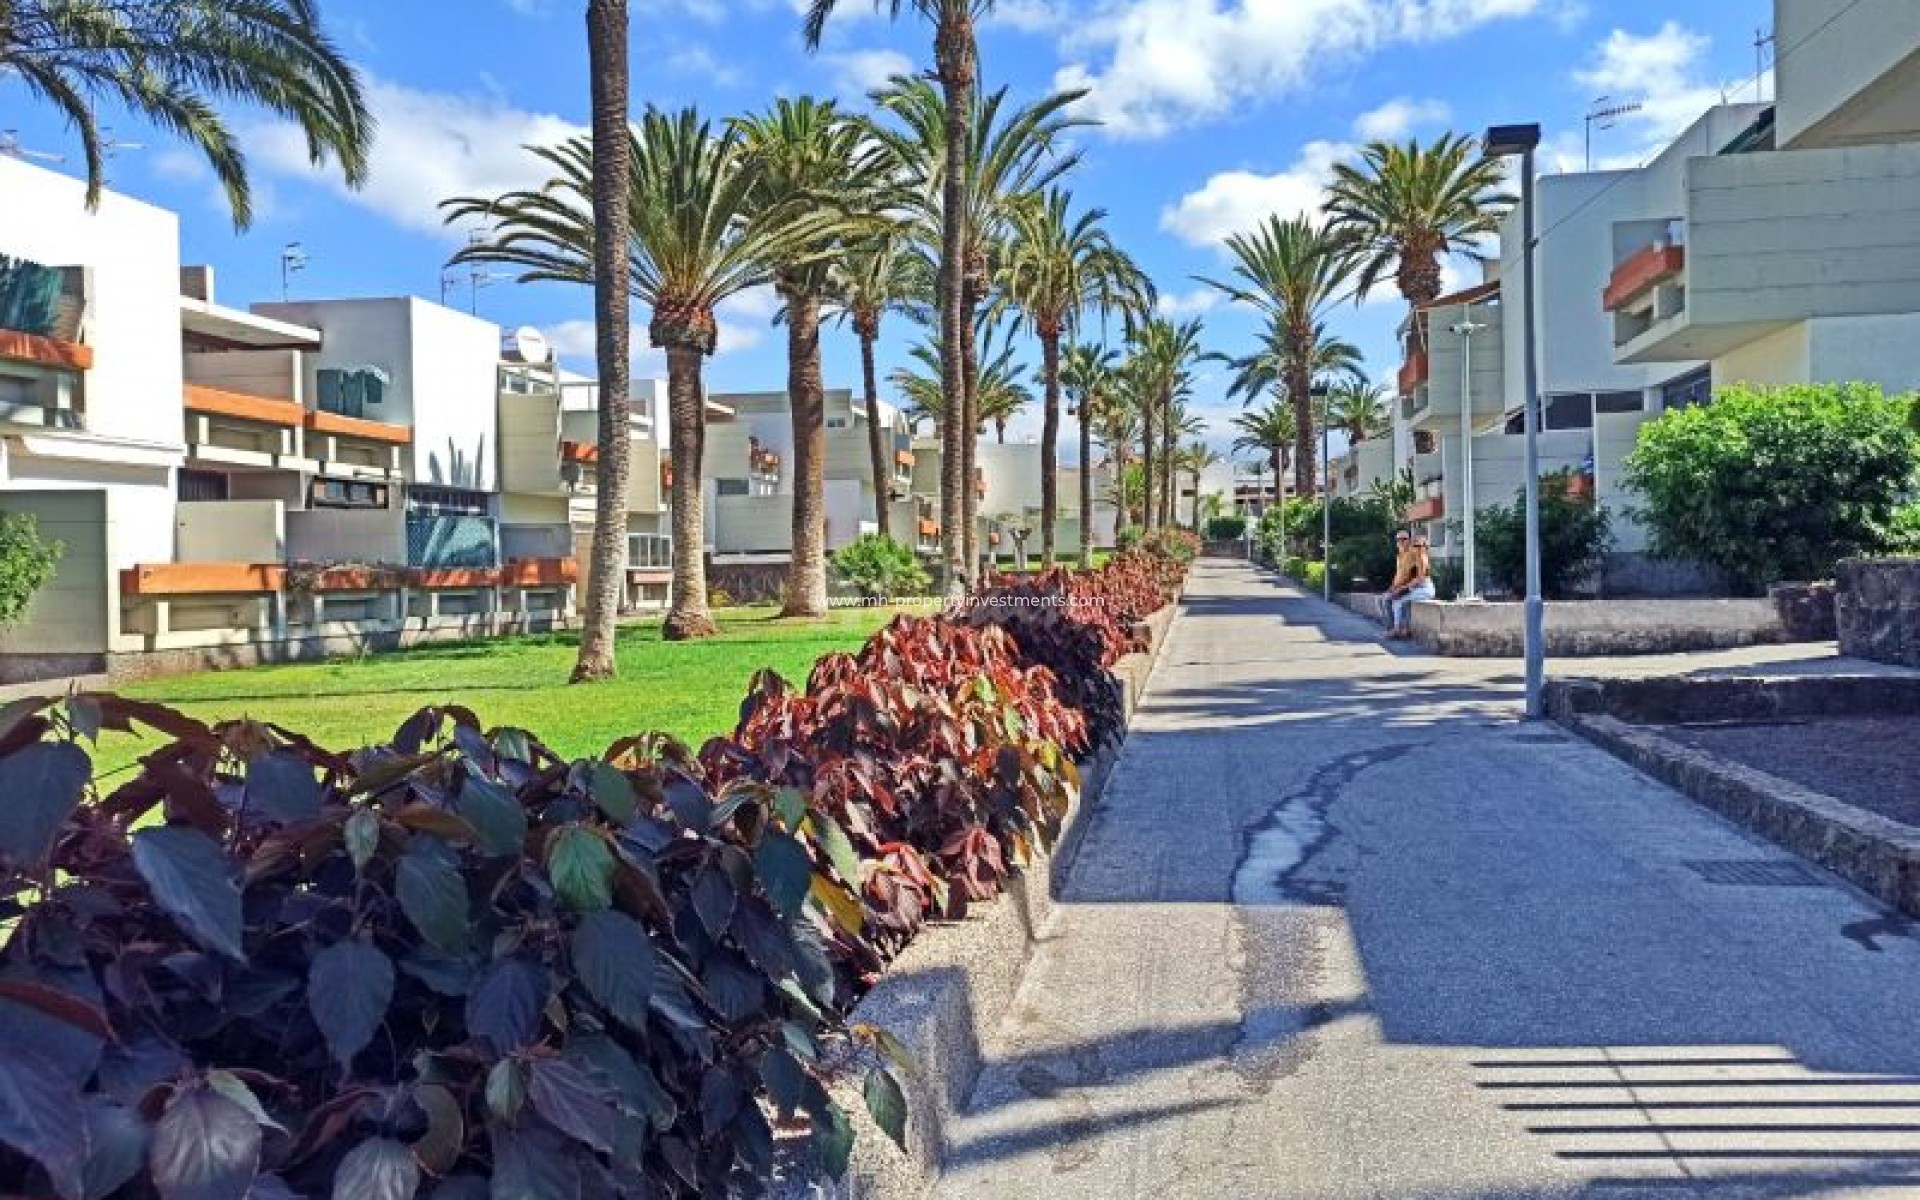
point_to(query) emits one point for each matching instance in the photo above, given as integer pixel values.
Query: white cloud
(1400, 116)
(857, 72)
(1156, 65)
(1233, 201)
(430, 146)
(1195, 303)
(1662, 72)
(743, 323)
(1029, 16)
(695, 61)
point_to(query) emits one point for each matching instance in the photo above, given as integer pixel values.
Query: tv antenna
(293, 260)
(11, 147)
(477, 275)
(1604, 115)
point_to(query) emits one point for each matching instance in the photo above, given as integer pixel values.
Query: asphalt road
(1344, 927)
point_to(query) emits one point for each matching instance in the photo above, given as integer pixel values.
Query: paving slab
(1344, 926)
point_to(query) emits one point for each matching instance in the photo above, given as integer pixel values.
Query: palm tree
(1268, 431)
(1180, 422)
(612, 324)
(1002, 386)
(956, 67)
(1056, 267)
(1163, 355)
(1117, 427)
(698, 238)
(804, 153)
(168, 61)
(1195, 460)
(1409, 206)
(872, 278)
(1291, 272)
(1087, 374)
(1357, 408)
(1010, 154)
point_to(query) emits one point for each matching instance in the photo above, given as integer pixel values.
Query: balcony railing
(1641, 272)
(1414, 372)
(1432, 508)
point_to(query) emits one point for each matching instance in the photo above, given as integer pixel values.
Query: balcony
(903, 461)
(44, 357)
(1773, 240)
(1414, 372)
(762, 462)
(1435, 403)
(1640, 273)
(1430, 508)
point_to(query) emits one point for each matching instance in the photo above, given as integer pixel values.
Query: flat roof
(241, 328)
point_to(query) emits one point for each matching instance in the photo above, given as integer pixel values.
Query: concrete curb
(1878, 855)
(950, 988)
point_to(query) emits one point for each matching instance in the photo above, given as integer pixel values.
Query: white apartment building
(549, 449)
(235, 486)
(1793, 255)
(748, 482)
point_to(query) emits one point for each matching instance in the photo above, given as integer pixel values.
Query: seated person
(1412, 580)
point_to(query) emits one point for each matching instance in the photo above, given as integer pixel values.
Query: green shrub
(1778, 483)
(1129, 538)
(1904, 533)
(1226, 528)
(27, 562)
(1448, 575)
(1307, 572)
(878, 566)
(1575, 534)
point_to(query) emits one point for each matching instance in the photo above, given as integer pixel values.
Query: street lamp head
(1505, 141)
(1467, 328)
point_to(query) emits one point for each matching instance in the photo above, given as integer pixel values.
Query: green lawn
(689, 689)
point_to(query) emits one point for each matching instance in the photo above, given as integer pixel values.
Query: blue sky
(1214, 112)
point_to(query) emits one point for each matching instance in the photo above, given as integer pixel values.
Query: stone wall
(1598, 627)
(1877, 609)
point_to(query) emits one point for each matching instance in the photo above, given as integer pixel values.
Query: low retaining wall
(1878, 855)
(1598, 627)
(947, 992)
(1877, 609)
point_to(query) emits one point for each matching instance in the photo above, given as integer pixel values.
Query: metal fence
(451, 540)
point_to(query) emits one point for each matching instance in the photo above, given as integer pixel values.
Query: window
(347, 493)
(837, 422)
(1570, 410)
(1688, 390)
(461, 501)
(350, 393)
(730, 487)
(649, 550)
(1619, 402)
(201, 485)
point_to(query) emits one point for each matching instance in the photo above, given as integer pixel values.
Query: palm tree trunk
(1169, 440)
(876, 445)
(953, 54)
(807, 398)
(612, 218)
(687, 422)
(1147, 435)
(1086, 485)
(1049, 444)
(970, 492)
(1300, 391)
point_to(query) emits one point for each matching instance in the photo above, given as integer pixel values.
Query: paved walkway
(1344, 927)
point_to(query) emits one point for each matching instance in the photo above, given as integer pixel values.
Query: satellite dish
(529, 345)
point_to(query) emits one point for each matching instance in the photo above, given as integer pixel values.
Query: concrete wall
(751, 524)
(1605, 627)
(347, 535)
(72, 615)
(1788, 235)
(278, 374)
(1447, 359)
(253, 531)
(444, 367)
(1852, 73)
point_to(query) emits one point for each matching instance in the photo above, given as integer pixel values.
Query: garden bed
(1822, 765)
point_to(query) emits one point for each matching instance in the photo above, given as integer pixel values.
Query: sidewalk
(1343, 927)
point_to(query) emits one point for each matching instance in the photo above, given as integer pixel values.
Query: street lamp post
(1507, 141)
(1326, 493)
(1469, 568)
